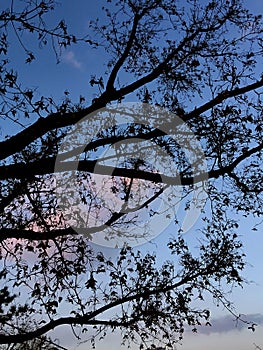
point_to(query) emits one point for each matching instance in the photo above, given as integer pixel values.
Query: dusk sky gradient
(78, 62)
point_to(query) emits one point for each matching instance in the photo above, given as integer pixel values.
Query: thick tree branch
(89, 319)
(222, 97)
(6, 233)
(157, 132)
(157, 71)
(239, 183)
(46, 166)
(244, 156)
(55, 120)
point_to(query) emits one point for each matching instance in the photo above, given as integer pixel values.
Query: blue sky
(73, 74)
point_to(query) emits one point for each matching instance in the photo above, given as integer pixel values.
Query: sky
(73, 74)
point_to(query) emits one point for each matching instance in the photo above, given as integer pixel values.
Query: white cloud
(70, 58)
(227, 323)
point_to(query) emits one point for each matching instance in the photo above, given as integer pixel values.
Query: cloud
(228, 323)
(70, 58)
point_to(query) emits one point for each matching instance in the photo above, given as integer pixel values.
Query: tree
(162, 53)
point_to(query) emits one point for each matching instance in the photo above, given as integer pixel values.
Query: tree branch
(19, 141)
(243, 156)
(34, 235)
(57, 120)
(46, 166)
(88, 319)
(222, 97)
(121, 60)
(6, 233)
(17, 190)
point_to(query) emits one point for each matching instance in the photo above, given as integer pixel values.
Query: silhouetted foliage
(200, 60)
